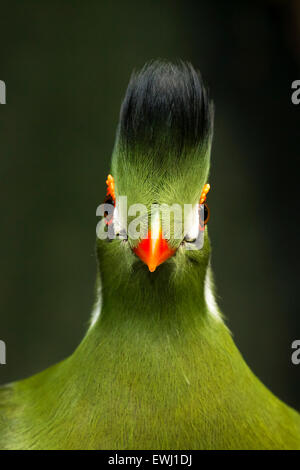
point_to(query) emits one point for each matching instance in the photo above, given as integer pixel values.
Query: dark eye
(188, 240)
(109, 215)
(109, 200)
(206, 214)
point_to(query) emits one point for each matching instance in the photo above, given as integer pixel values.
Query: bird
(158, 368)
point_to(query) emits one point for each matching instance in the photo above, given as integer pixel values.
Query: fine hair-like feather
(166, 110)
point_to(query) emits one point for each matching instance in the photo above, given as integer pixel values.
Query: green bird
(157, 368)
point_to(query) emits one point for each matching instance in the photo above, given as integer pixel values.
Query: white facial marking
(191, 221)
(210, 298)
(97, 306)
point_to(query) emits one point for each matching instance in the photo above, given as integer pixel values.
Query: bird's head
(159, 174)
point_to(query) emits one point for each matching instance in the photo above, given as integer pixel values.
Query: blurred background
(66, 66)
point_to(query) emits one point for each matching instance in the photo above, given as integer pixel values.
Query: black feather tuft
(166, 107)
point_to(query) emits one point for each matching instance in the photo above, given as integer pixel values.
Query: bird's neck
(140, 302)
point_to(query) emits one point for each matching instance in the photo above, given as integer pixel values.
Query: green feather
(158, 368)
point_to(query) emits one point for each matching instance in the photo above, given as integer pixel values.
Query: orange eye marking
(205, 190)
(110, 197)
(110, 187)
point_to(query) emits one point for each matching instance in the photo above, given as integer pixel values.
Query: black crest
(166, 108)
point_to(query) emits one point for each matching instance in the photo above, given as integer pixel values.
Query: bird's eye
(206, 214)
(110, 199)
(189, 239)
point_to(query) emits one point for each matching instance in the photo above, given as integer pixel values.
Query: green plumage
(158, 368)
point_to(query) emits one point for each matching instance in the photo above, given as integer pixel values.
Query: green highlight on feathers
(157, 368)
(163, 142)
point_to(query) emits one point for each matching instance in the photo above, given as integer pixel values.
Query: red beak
(153, 250)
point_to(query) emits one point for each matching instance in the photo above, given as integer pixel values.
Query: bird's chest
(148, 402)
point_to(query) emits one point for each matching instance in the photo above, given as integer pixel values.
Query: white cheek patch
(194, 234)
(120, 216)
(191, 221)
(209, 296)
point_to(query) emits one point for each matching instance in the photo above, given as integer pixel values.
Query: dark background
(66, 66)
